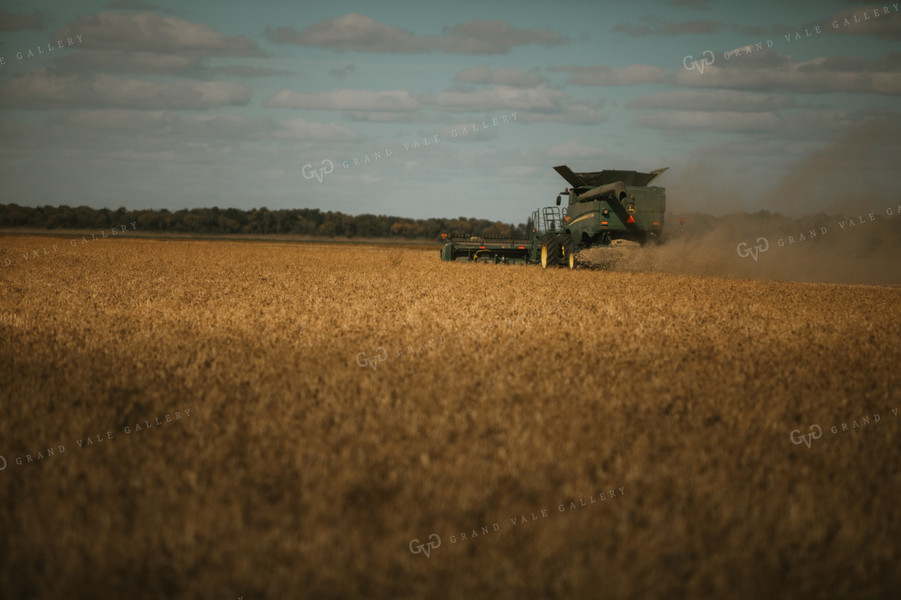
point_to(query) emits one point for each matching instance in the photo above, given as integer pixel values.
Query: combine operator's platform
(604, 208)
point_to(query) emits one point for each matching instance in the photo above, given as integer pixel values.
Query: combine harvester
(605, 208)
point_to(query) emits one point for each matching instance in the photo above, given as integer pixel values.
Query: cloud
(121, 61)
(342, 72)
(654, 19)
(21, 21)
(576, 113)
(698, 4)
(345, 99)
(890, 63)
(351, 33)
(573, 149)
(871, 21)
(518, 171)
(606, 75)
(216, 126)
(160, 123)
(478, 130)
(771, 71)
(244, 71)
(124, 62)
(719, 100)
(711, 121)
(501, 97)
(540, 104)
(301, 129)
(377, 116)
(537, 104)
(684, 28)
(358, 33)
(749, 57)
(690, 28)
(493, 37)
(798, 126)
(136, 5)
(751, 29)
(632, 30)
(512, 77)
(45, 89)
(149, 32)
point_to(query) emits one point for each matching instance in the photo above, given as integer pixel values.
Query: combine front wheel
(568, 246)
(550, 252)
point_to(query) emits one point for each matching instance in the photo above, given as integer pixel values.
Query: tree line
(302, 221)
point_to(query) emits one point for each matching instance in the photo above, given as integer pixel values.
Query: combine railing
(548, 219)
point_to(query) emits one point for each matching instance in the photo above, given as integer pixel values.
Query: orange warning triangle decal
(631, 219)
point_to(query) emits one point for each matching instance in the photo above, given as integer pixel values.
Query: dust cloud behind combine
(827, 198)
(862, 247)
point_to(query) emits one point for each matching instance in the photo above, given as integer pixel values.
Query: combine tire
(569, 248)
(550, 252)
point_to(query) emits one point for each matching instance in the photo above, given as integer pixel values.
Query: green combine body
(603, 207)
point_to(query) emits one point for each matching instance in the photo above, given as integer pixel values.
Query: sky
(447, 109)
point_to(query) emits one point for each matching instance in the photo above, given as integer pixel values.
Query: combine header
(603, 208)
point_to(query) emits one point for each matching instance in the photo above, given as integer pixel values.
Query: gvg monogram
(380, 356)
(327, 168)
(806, 438)
(707, 59)
(744, 251)
(432, 544)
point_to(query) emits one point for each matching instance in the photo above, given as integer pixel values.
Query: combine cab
(603, 208)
